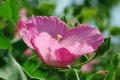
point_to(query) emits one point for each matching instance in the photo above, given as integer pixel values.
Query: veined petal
(82, 40)
(25, 34)
(51, 25)
(45, 45)
(35, 25)
(50, 50)
(30, 25)
(28, 30)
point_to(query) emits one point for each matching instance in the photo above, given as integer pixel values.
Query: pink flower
(28, 51)
(89, 66)
(22, 19)
(55, 43)
(23, 12)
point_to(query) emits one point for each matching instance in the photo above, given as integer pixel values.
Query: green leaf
(15, 10)
(64, 18)
(3, 22)
(1, 33)
(10, 11)
(19, 45)
(46, 8)
(5, 43)
(5, 11)
(18, 49)
(108, 3)
(97, 76)
(2, 3)
(9, 30)
(37, 69)
(117, 74)
(72, 75)
(77, 23)
(77, 9)
(89, 12)
(10, 69)
(115, 31)
(67, 10)
(104, 47)
(116, 60)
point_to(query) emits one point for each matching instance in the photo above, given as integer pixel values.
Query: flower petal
(28, 30)
(23, 12)
(44, 44)
(82, 40)
(25, 34)
(50, 52)
(64, 57)
(33, 26)
(51, 25)
(23, 17)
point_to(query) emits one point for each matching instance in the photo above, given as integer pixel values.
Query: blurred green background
(102, 14)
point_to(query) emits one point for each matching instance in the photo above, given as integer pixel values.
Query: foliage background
(102, 14)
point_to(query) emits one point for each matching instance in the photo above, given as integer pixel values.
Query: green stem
(76, 73)
(31, 58)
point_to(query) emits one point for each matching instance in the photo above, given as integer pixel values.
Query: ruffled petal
(35, 25)
(51, 25)
(28, 30)
(82, 40)
(24, 33)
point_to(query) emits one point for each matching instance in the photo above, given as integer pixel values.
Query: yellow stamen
(59, 37)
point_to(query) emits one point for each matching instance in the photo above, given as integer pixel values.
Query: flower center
(59, 37)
